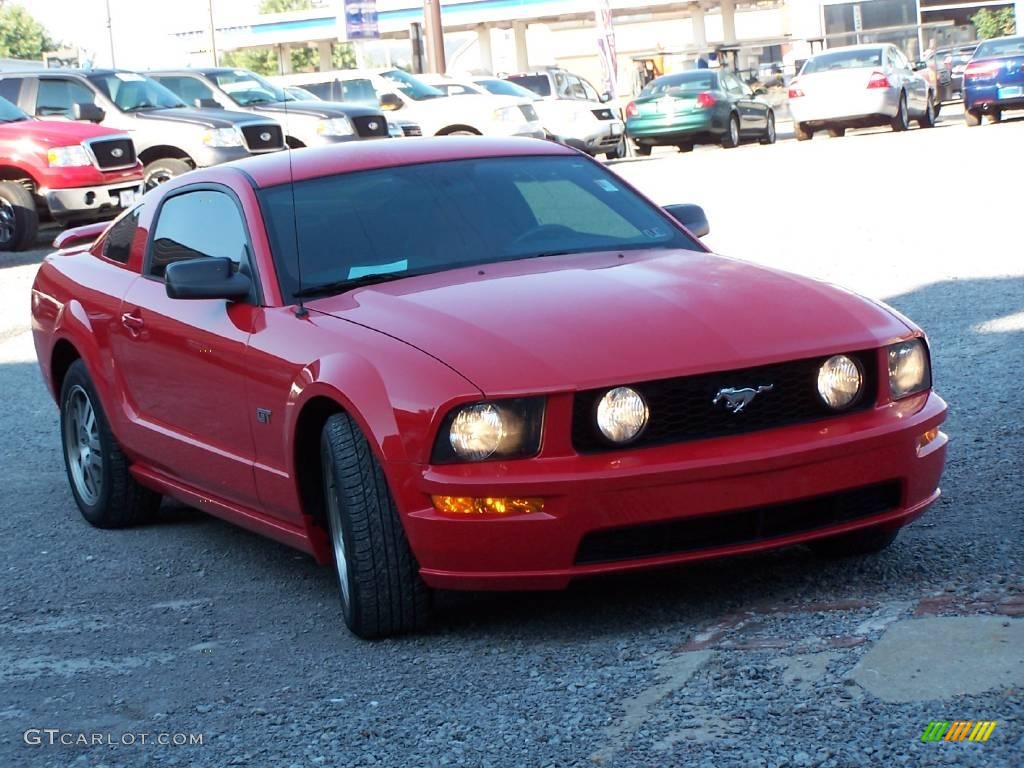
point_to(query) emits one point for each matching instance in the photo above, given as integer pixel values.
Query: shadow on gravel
(35, 254)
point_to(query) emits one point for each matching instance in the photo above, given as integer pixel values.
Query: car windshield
(505, 88)
(10, 113)
(247, 88)
(682, 84)
(856, 59)
(132, 92)
(539, 84)
(394, 222)
(411, 86)
(1010, 46)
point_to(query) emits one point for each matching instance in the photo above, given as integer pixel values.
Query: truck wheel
(19, 220)
(101, 483)
(972, 118)
(866, 542)
(164, 169)
(378, 577)
(802, 132)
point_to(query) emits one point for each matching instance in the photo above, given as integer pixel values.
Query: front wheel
(164, 169)
(19, 220)
(902, 120)
(731, 137)
(858, 543)
(769, 134)
(928, 118)
(378, 578)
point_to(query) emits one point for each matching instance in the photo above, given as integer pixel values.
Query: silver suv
(170, 137)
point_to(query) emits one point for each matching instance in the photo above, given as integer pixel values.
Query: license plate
(1011, 92)
(127, 198)
(667, 106)
(615, 129)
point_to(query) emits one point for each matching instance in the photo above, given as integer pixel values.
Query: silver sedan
(859, 86)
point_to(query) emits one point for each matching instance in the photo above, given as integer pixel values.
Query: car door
(914, 86)
(56, 97)
(182, 362)
(752, 114)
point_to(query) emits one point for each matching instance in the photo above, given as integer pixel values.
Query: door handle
(133, 323)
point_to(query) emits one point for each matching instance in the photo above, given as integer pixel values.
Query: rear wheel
(643, 150)
(972, 118)
(686, 146)
(769, 134)
(731, 137)
(928, 118)
(19, 220)
(378, 578)
(995, 116)
(837, 132)
(802, 132)
(902, 120)
(618, 152)
(867, 542)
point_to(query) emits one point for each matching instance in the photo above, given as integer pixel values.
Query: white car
(859, 86)
(406, 96)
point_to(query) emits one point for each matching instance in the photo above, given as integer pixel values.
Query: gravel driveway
(192, 626)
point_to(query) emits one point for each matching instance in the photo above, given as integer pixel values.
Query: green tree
(994, 23)
(21, 36)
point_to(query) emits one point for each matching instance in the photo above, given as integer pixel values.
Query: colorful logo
(958, 730)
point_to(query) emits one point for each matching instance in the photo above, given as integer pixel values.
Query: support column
(483, 41)
(728, 21)
(522, 52)
(326, 50)
(1020, 17)
(700, 35)
(284, 59)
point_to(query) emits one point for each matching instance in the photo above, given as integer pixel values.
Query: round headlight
(839, 381)
(621, 414)
(477, 431)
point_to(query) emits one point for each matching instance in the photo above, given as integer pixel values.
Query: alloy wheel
(734, 132)
(82, 446)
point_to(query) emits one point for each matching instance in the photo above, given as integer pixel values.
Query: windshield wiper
(340, 286)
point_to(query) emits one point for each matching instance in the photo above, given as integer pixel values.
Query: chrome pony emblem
(265, 136)
(117, 152)
(738, 399)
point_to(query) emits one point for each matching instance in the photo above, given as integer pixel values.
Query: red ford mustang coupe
(473, 364)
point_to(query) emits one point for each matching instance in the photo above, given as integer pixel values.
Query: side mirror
(205, 278)
(605, 97)
(690, 216)
(390, 102)
(79, 235)
(760, 91)
(88, 112)
(206, 104)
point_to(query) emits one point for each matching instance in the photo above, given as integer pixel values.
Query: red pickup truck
(68, 172)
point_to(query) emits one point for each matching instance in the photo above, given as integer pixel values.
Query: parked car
(68, 173)
(170, 138)
(574, 112)
(307, 123)
(525, 103)
(395, 90)
(701, 106)
(859, 86)
(517, 372)
(994, 80)
(949, 64)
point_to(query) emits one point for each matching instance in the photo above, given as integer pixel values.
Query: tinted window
(411, 86)
(58, 97)
(132, 92)
(539, 84)
(118, 244)
(323, 91)
(10, 113)
(431, 217)
(685, 83)
(505, 88)
(196, 224)
(826, 62)
(1013, 46)
(188, 89)
(360, 91)
(589, 91)
(10, 88)
(247, 88)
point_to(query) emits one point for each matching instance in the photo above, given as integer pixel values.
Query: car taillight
(705, 100)
(878, 80)
(982, 69)
(794, 92)
(631, 109)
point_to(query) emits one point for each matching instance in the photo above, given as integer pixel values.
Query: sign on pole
(357, 20)
(606, 46)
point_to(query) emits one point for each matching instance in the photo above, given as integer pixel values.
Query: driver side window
(203, 223)
(58, 96)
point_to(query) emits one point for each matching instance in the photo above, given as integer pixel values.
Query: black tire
(731, 137)
(858, 543)
(769, 134)
(995, 116)
(686, 146)
(927, 120)
(164, 169)
(901, 122)
(642, 150)
(972, 118)
(837, 132)
(118, 501)
(802, 132)
(19, 220)
(385, 594)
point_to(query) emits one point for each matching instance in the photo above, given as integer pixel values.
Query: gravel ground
(193, 626)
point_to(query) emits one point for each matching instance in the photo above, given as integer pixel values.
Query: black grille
(603, 114)
(412, 130)
(263, 138)
(743, 527)
(113, 153)
(682, 409)
(370, 126)
(528, 112)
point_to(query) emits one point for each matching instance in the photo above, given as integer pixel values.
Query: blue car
(994, 79)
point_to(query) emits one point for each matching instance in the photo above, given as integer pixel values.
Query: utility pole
(213, 34)
(110, 34)
(435, 35)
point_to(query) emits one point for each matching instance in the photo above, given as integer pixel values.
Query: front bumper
(605, 138)
(585, 494)
(845, 106)
(92, 202)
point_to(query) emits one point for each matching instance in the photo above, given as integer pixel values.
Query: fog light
(467, 505)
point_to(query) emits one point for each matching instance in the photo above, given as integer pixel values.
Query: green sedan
(702, 106)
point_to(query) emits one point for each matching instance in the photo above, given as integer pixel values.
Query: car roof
(276, 168)
(80, 72)
(195, 71)
(862, 47)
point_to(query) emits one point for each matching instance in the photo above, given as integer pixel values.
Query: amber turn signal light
(927, 437)
(467, 505)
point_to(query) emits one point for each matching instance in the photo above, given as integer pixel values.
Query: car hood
(588, 320)
(207, 118)
(325, 109)
(53, 133)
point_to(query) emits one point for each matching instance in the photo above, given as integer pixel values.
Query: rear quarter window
(10, 89)
(117, 246)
